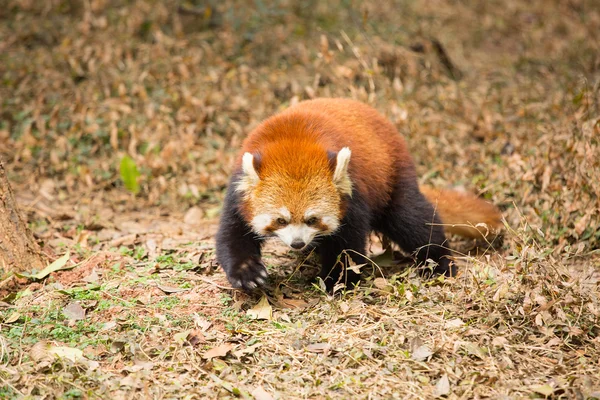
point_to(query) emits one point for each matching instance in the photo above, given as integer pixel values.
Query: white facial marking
(332, 223)
(260, 222)
(296, 233)
(310, 213)
(285, 213)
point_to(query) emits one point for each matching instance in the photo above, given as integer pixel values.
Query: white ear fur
(250, 177)
(341, 178)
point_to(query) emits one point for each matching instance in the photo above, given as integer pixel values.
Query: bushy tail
(464, 213)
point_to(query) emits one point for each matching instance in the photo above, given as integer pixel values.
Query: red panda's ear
(250, 178)
(339, 163)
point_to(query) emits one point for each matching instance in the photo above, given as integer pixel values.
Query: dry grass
(501, 98)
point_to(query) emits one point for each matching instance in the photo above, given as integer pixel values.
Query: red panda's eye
(311, 221)
(281, 221)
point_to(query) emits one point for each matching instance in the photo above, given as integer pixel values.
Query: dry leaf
(260, 394)
(442, 387)
(499, 341)
(196, 337)
(57, 265)
(14, 317)
(294, 303)
(318, 347)
(544, 390)
(380, 283)
(344, 307)
(454, 323)
(248, 350)
(262, 310)
(219, 351)
(181, 337)
(74, 311)
(475, 350)
(92, 277)
(421, 353)
(170, 289)
(108, 326)
(200, 322)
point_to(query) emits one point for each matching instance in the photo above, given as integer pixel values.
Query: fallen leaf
(171, 289)
(294, 303)
(499, 341)
(152, 248)
(72, 354)
(262, 310)
(344, 307)
(318, 347)
(74, 311)
(200, 322)
(356, 267)
(247, 351)
(229, 387)
(260, 394)
(380, 283)
(57, 265)
(219, 351)
(108, 326)
(117, 346)
(545, 390)
(126, 240)
(14, 317)
(475, 350)
(92, 277)
(442, 387)
(181, 337)
(196, 337)
(421, 353)
(39, 351)
(454, 323)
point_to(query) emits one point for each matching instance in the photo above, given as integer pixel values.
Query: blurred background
(119, 124)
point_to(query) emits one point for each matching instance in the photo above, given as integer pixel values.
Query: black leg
(351, 237)
(410, 222)
(238, 248)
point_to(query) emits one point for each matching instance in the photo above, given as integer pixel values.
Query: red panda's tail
(464, 213)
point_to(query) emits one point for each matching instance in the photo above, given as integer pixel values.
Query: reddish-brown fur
(379, 154)
(461, 212)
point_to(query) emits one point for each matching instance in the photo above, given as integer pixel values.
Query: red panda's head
(294, 191)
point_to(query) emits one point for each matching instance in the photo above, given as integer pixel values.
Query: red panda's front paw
(248, 275)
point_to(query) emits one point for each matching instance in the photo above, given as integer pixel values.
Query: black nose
(297, 244)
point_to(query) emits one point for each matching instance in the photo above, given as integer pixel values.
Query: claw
(252, 285)
(236, 283)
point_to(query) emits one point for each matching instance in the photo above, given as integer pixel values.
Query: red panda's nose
(297, 244)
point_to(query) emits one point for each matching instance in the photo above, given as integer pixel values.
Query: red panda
(325, 173)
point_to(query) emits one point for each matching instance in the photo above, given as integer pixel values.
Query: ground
(119, 123)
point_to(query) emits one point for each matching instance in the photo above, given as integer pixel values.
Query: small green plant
(129, 174)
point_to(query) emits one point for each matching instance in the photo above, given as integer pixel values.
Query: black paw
(248, 275)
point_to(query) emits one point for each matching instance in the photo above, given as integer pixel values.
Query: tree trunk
(18, 250)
